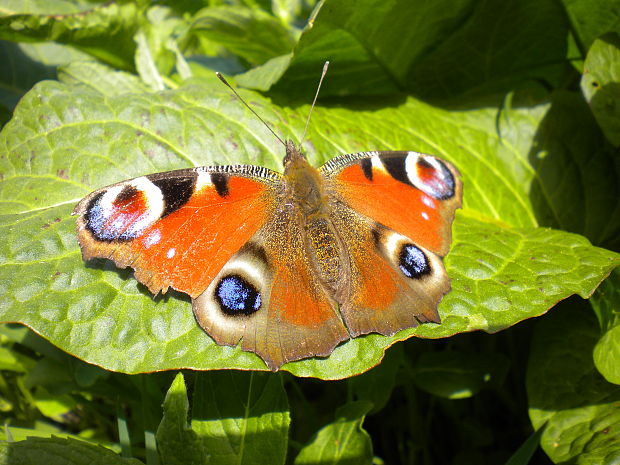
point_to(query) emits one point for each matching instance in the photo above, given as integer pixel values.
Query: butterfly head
(294, 156)
(304, 184)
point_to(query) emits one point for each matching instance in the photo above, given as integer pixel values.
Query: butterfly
(287, 265)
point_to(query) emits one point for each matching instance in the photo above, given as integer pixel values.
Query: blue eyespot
(413, 262)
(236, 296)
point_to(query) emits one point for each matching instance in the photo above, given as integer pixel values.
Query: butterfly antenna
(221, 78)
(325, 66)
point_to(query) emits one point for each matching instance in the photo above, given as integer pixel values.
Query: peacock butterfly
(288, 265)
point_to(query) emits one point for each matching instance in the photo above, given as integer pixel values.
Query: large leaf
(65, 141)
(581, 410)
(101, 79)
(236, 417)
(439, 49)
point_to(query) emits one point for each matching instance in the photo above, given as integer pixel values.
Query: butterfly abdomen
(326, 253)
(306, 190)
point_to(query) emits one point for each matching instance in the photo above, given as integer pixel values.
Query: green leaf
(145, 63)
(57, 451)
(524, 454)
(101, 79)
(157, 48)
(177, 443)
(590, 19)
(263, 77)
(577, 172)
(581, 409)
(458, 375)
(26, 64)
(441, 49)
(43, 7)
(606, 304)
(13, 434)
(236, 417)
(65, 141)
(52, 375)
(377, 384)
(104, 31)
(294, 12)
(343, 442)
(11, 360)
(54, 406)
(601, 84)
(249, 33)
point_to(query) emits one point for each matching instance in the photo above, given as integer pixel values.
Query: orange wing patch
(170, 235)
(198, 239)
(388, 195)
(396, 205)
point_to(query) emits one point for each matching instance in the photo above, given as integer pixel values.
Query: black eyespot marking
(396, 167)
(366, 165)
(438, 183)
(220, 181)
(97, 219)
(413, 262)
(257, 251)
(376, 235)
(94, 218)
(176, 192)
(237, 297)
(128, 193)
(425, 164)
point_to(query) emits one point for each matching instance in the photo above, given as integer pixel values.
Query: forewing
(413, 194)
(177, 229)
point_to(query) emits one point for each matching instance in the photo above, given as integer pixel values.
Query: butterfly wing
(409, 192)
(177, 229)
(268, 297)
(394, 212)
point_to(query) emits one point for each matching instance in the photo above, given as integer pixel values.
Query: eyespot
(236, 296)
(430, 175)
(413, 262)
(123, 212)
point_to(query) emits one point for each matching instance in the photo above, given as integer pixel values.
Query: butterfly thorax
(306, 191)
(304, 184)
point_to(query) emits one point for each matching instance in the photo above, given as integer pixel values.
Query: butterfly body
(287, 265)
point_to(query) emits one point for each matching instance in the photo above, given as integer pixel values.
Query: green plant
(521, 95)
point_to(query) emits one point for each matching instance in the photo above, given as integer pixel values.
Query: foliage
(525, 105)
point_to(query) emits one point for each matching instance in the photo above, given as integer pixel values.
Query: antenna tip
(220, 77)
